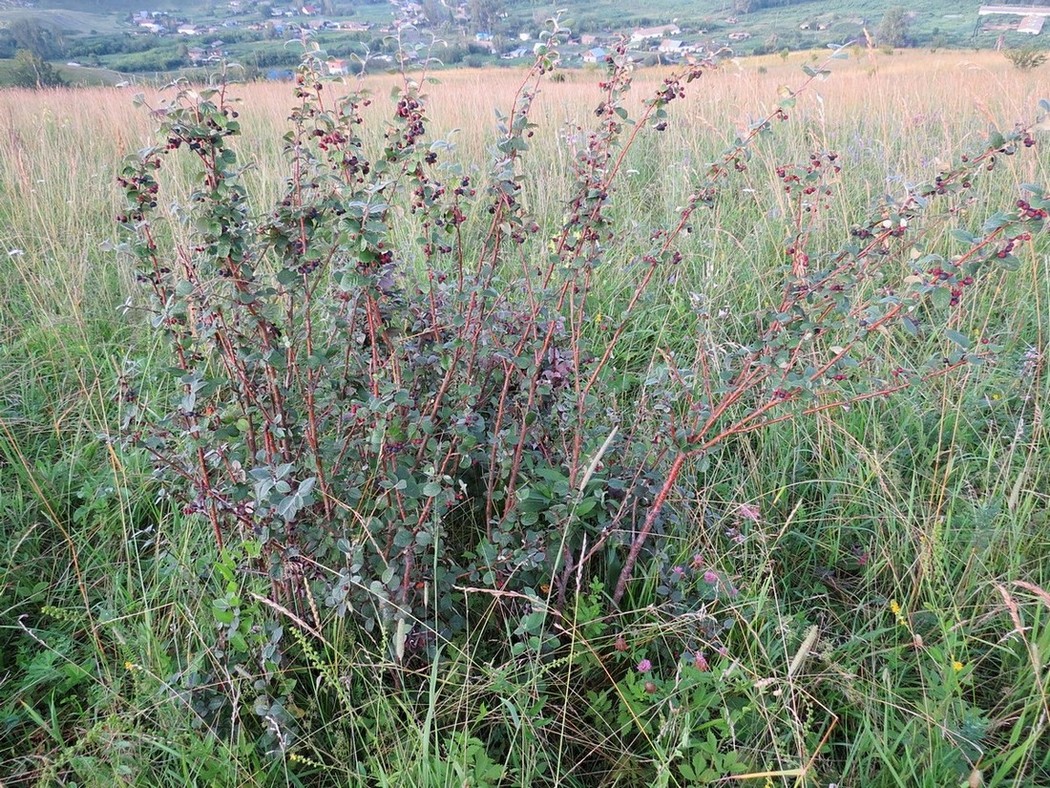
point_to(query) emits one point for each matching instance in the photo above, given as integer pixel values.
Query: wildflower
(749, 512)
(650, 687)
(956, 665)
(621, 643)
(297, 758)
(700, 661)
(895, 608)
(131, 666)
(678, 572)
(710, 577)
(697, 562)
(645, 666)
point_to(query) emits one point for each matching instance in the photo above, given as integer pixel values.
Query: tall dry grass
(899, 115)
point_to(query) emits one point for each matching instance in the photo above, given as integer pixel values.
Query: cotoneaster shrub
(406, 435)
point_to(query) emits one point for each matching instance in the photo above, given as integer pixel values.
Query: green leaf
(995, 221)
(287, 276)
(961, 340)
(965, 236)
(289, 507)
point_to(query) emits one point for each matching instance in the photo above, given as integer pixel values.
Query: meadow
(851, 595)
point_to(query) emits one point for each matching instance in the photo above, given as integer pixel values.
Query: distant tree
(893, 30)
(484, 13)
(43, 40)
(32, 71)
(437, 13)
(7, 44)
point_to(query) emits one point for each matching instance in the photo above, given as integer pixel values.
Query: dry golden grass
(903, 114)
(885, 94)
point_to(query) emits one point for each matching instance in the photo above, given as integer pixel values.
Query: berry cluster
(141, 190)
(1027, 212)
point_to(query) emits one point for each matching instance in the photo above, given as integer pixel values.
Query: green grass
(936, 500)
(70, 21)
(79, 76)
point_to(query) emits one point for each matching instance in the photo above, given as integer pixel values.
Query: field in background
(897, 117)
(936, 502)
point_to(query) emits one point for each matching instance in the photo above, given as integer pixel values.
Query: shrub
(1025, 59)
(32, 71)
(395, 430)
(893, 30)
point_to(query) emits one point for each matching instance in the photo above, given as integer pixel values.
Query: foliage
(749, 6)
(893, 29)
(43, 40)
(31, 71)
(153, 59)
(1025, 59)
(399, 432)
(483, 14)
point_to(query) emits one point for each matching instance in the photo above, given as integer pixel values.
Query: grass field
(889, 614)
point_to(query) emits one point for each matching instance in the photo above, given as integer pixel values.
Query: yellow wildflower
(898, 613)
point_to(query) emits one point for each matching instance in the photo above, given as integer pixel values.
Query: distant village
(657, 44)
(664, 43)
